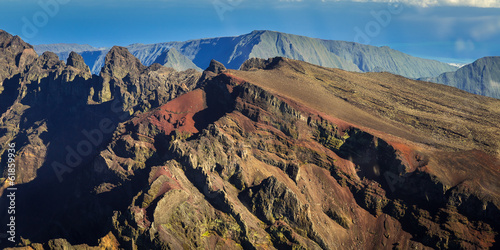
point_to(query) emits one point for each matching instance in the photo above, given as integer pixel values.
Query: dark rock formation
(257, 63)
(15, 54)
(76, 60)
(216, 67)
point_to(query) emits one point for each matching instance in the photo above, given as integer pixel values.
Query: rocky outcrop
(216, 67)
(140, 88)
(76, 60)
(119, 63)
(257, 63)
(15, 54)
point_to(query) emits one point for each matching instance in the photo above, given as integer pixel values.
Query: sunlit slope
(423, 112)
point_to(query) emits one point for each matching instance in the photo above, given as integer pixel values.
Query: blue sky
(447, 30)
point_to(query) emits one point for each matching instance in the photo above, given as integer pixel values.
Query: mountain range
(278, 154)
(481, 77)
(233, 51)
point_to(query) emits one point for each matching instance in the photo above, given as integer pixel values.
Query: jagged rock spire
(76, 60)
(215, 67)
(119, 62)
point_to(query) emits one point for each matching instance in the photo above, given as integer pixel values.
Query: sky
(457, 31)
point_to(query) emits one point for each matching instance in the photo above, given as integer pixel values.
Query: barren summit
(281, 154)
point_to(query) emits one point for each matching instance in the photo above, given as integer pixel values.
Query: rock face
(257, 63)
(481, 77)
(76, 60)
(216, 67)
(233, 51)
(15, 54)
(247, 159)
(124, 77)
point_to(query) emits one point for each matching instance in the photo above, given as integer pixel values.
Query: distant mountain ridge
(64, 47)
(173, 59)
(233, 51)
(481, 77)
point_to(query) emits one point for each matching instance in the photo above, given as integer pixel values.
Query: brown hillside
(432, 114)
(458, 131)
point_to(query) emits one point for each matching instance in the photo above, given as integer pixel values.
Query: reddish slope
(176, 115)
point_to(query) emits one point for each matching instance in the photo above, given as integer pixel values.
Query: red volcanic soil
(234, 79)
(176, 115)
(169, 183)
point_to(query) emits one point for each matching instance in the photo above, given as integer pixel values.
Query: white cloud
(462, 45)
(431, 3)
(486, 30)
